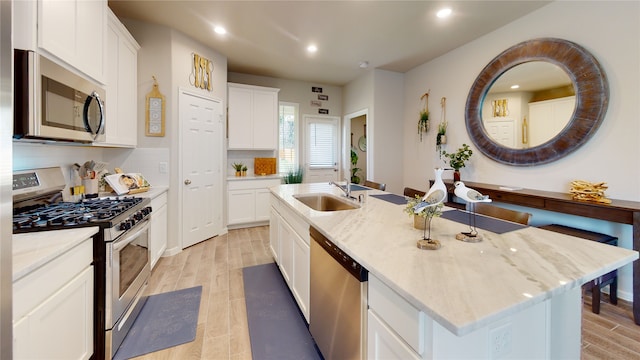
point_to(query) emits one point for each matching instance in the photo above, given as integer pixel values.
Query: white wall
(380, 94)
(611, 155)
(167, 54)
(385, 122)
(296, 91)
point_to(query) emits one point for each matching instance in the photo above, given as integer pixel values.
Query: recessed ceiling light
(220, 30)
(444, 13)
(363, 64)
(515, 86)
(312, 48)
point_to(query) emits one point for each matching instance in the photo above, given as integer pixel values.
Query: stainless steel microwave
(53, 103)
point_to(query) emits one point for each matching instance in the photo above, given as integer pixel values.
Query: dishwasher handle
(346, 261)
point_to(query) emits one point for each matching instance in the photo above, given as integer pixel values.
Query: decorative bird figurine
(438, 191)
(471, 196)
(468, 194)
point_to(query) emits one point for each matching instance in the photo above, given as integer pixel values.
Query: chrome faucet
(346, 189)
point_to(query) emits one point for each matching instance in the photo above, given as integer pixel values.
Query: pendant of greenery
(442, 132)
(423, 123)
(355, 179)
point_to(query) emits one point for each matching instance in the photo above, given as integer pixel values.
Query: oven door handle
(117, 245)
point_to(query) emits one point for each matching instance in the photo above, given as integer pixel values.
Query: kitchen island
(515, 294)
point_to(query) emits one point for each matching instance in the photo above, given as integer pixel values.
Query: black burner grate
(66, 214)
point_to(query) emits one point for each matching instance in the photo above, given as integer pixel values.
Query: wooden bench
(598, 283)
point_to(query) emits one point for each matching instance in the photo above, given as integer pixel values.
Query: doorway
(356, 139)
(322, 148)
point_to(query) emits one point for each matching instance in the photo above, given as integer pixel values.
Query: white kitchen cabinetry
(547, 118)
(248, 200)
(122, 86)
(158, 231)
(274, 235)
(290, 246)
(53, 308)
(74, 31)
(253, 117)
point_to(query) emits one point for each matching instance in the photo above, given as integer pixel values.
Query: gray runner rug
(276, 327)
(166, 320)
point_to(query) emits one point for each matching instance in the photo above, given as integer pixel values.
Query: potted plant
(423, 122)
(244, 170)
(441, 138)
(294, 177)
(419, 220)
(354, 170)
(238, 168)
(457, 159)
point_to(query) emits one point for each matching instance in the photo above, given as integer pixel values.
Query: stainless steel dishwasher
(338, 301)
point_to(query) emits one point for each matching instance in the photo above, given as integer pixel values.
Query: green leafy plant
(457, 159)
(354, 170)
(294, 176)
(423, 122)
(428, 212)
(442, 132)
(238, 166)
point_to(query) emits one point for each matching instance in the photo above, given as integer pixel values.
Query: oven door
(127, 272)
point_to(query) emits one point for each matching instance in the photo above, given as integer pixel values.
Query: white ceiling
(269, 38)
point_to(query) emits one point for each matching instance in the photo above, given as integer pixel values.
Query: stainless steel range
(121, 247)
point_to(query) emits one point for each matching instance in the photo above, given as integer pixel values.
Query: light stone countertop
(153, 192)
(254, 177)
(35, 249)
(463, 286)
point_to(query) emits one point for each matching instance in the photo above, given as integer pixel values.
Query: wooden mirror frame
(592, 99)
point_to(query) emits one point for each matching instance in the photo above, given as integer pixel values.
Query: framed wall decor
(155, 111)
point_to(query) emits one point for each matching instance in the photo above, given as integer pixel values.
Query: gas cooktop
(90, 212)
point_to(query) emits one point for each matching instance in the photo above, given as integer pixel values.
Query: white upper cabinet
(122, 86)
(253, 117)
(75, 32)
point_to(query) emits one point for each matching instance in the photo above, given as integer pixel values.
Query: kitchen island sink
(325, 202)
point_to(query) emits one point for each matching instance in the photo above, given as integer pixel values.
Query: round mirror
(561, 101)
(528, 105)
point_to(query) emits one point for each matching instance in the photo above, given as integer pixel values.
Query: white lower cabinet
(274, 235)
(398, 330)
(301, 273)
(289, 243)
(384, 343)
(248, 201)
(158, 231)
(53, 308)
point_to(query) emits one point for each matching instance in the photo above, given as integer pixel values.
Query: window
(322, 144)
(288, 138)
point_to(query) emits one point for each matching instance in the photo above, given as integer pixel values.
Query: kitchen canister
(90, 188)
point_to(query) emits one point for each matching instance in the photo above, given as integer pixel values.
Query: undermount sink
(325, 202)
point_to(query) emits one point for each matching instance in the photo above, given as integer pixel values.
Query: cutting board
(264, 166)
(130, 183)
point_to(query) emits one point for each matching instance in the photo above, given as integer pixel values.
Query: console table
(619, 211)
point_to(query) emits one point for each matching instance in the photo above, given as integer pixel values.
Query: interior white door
(322, 148)
(502, 132)
(201, 159)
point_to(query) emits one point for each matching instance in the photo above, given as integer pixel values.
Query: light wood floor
(222, 331)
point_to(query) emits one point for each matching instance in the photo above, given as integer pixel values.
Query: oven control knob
(125, 225)
(138, 216)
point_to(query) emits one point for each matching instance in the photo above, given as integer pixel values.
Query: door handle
(187, 182)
